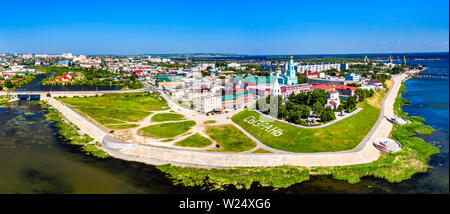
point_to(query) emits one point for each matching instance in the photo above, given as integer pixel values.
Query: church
(333, 100)
(288, 77)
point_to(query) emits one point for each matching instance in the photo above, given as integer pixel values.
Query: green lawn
(118, 108)
(343, 135)
(209, 122)
(195, 140)
(230, 138)
(122, 126)
(161, 117)
(166, 130)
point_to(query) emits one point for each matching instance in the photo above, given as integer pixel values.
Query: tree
(317, 95)
(327, 115)
(317, 108)
(304, 111)
(292, 116)
(205, 73)
(282, 112)
(340, 108)
(350, 104)
(9, 84)
(361, 94)
(301, 79)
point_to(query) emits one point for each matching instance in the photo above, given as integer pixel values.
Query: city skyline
(249, 28)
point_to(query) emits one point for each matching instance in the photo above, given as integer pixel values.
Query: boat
(387, 145)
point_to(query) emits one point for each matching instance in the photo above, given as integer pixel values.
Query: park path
(365, 152)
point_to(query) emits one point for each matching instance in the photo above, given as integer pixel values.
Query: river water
(35, 159)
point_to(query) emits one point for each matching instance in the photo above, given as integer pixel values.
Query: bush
(327, 115)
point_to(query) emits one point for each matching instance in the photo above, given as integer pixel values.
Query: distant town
(208, 87)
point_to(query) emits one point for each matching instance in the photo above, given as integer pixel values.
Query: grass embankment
(394, 167)
(343, 135)
(261, 151)
(194, 140)
(17, 82)
(4, 100)
(71, 132)
(118, 110)
(166, 130)
(162, 117)
(229, 138)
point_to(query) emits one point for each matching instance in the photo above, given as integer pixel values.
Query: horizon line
(235, 54)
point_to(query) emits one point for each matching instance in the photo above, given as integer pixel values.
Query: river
(35, 159)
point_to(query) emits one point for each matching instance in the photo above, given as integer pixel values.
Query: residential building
(208, 103)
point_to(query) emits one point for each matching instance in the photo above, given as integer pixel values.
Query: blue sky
(243, 27)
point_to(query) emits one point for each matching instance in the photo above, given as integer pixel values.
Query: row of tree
(298, 107)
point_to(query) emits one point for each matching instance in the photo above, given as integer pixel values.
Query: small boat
(387, 145)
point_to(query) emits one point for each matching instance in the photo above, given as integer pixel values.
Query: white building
(208, 103)
(233, 65)
(333, 99)
(302, 68)
(67, 55)
(81, 58)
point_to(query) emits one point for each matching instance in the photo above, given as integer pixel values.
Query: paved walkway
(365, 152)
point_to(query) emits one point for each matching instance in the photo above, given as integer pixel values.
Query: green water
(34, 159)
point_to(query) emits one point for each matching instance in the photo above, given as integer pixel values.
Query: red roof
(328, 87)
(250, 84)
(138, 71)
(332, 102)
(311, 74)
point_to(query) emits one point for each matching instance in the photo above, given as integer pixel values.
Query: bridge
(40, 94)
(29, 96)
(430, 75)
(37, 95)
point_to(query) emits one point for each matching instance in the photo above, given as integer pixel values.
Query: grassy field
(166, 130)
(209, 122)
(115, 110)
(122, 126)
(195, 140)
(230, 138)
(343, 135)
(161, 117)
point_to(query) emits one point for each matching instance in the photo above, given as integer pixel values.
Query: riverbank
(72, 133)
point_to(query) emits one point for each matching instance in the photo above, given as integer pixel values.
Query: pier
(430, 75)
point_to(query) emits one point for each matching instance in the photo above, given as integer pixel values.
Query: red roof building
(342, 89)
